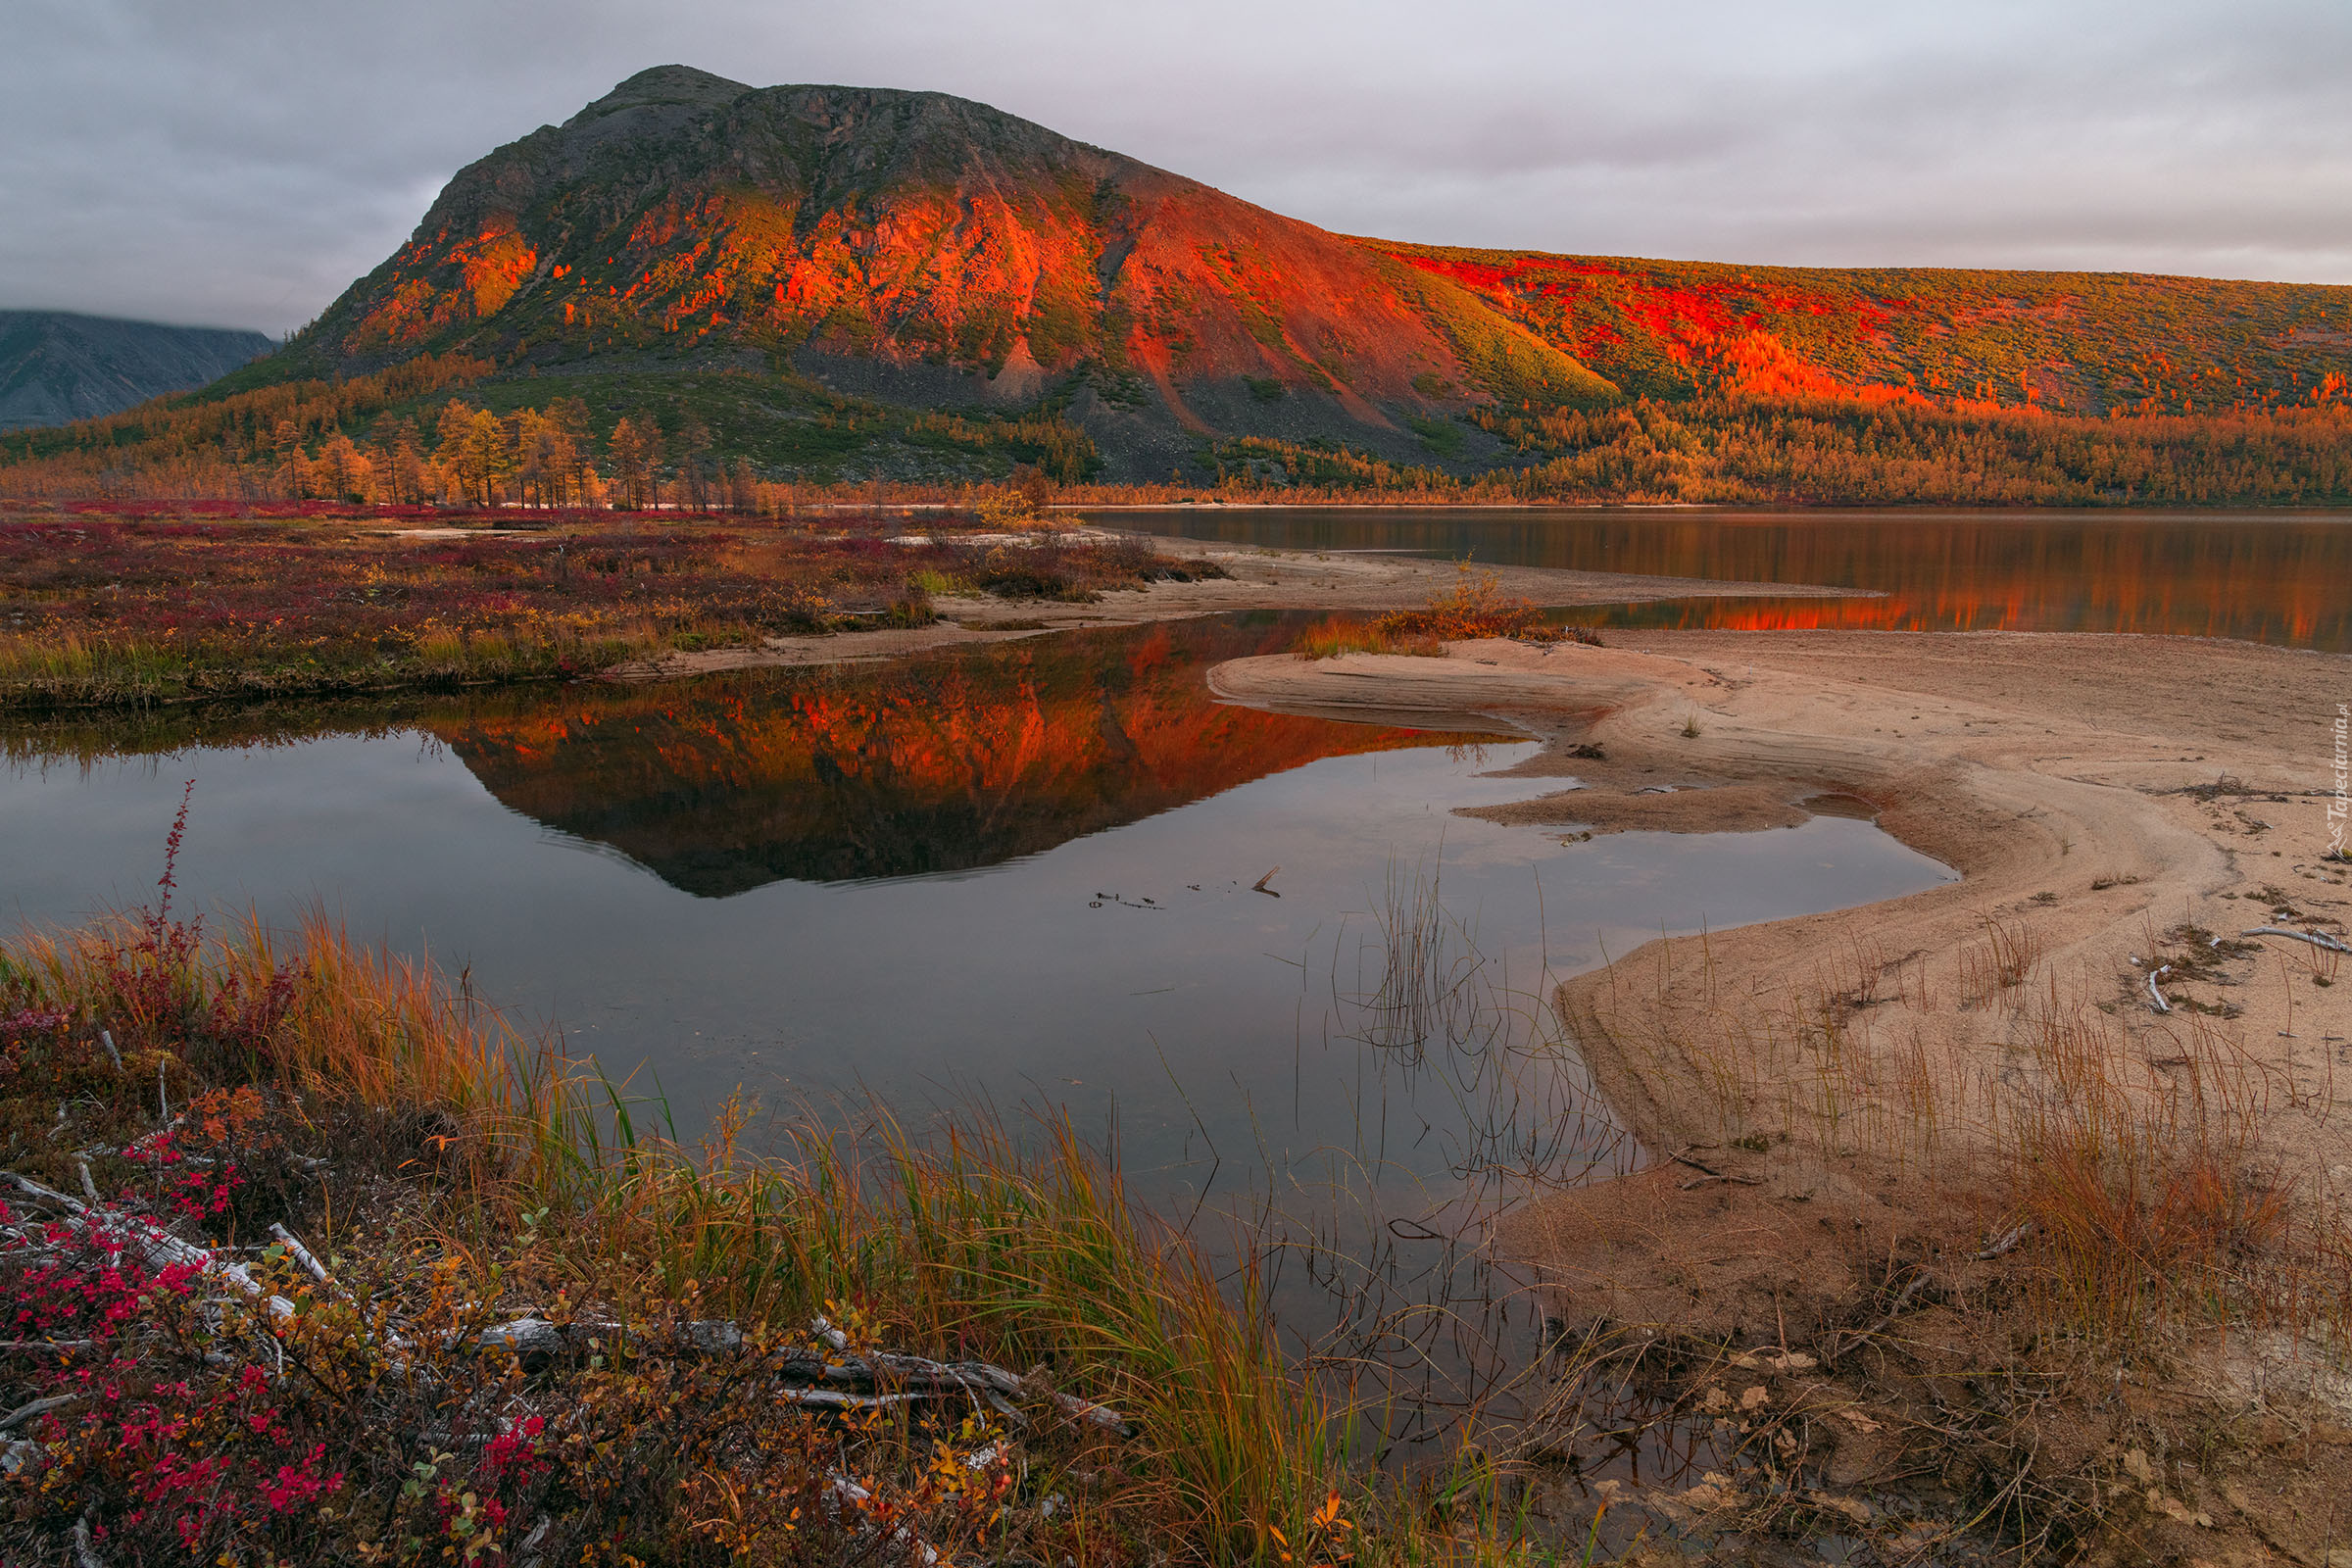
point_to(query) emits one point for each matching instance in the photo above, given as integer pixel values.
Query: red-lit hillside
(926, 247)
(826, 284)
(2085, 343)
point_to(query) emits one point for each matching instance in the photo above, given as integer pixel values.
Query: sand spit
(1836, 1104)
(1336, 582)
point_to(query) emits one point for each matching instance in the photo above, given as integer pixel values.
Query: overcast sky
(240, 162)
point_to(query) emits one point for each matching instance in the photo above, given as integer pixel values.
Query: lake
(1255, 951)
(1025, 874)
(2276, 577)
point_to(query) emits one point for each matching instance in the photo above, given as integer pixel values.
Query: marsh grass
(1473, 605)
(1339, 636)
(428, 1118)
(1426, 1340)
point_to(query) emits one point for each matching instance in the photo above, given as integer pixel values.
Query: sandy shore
(1842, 1090)
(2095, 793)
(1334, 582)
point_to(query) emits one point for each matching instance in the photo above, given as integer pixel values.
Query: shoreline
(1334, 582)
(1838, 1103)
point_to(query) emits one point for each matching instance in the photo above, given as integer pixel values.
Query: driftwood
(2005, 1246)
(25, 1412)
(845, 1379)
(301, 1254)
(2156, 996)
(155, 1246)
(839, 1380)
(1840, 1343)
(2311, 937)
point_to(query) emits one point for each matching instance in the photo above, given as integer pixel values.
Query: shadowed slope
(57, 367)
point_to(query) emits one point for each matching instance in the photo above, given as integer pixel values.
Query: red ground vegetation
(103, 606)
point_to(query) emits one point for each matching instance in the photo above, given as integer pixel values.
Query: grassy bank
(401, 1176)
(121, 608)
(1472, 608)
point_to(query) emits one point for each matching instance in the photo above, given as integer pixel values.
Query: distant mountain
(56, 366)
(840, 282)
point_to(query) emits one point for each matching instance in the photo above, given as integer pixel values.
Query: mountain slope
(2087, 343)
(836, 283)
(57, 367)
(928, 249)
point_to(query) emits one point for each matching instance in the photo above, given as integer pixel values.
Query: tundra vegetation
(312, 1259)
(133, 604)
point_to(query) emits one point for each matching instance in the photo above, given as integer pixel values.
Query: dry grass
(426, 1119)
(1473, 606)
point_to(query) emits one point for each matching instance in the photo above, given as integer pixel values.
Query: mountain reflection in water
(938, 764)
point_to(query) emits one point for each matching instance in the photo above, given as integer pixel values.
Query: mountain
(834, 283)
(930, 250)
(56, 366)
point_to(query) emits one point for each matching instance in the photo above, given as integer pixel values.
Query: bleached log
(2311, 937)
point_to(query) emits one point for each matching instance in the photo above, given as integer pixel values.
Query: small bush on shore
(1473, 606)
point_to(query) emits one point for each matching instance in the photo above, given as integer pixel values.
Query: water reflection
(1029, 873)
(932, 765)
(2267, 577)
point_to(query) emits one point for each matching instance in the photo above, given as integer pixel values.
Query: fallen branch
(2311, 937)
(25, 1412)
(2155, 996)
(2006, 1244)
(808, 1377)
(156, 1245)
(1842, 1343)
(302, 1253)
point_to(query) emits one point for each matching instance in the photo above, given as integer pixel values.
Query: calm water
(1026, 875)
(2261, 576)
(1022, 873)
